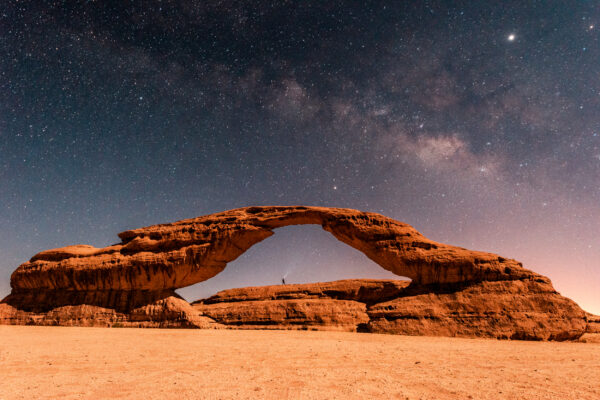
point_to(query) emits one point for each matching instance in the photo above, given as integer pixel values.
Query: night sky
(477, 123)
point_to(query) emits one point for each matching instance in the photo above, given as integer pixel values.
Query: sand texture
(92, 363)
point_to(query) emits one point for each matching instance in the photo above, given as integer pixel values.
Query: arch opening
(297, 253)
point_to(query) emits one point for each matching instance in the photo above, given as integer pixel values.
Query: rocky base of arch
(103, 308)
(520, 309)
(527, 309)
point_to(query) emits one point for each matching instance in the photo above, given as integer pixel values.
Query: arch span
(179, 254)
(295, 254)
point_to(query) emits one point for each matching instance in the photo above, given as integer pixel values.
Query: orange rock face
(520, 309)
(593, 323)
(135, 279)
(368, 291)
(179, 254)
(147, 309)
(340, 305)
(315, 314)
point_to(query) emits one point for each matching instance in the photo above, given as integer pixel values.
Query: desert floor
(73, 363)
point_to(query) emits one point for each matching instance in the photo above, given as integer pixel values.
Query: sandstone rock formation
(519, 309)
(132, 283)
(593, 324)
(340, 305)
(502, 309)
(148, 309)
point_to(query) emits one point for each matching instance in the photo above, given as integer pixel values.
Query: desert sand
(76, 363)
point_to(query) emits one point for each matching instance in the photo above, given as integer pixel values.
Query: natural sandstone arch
(292, 255)
(179, 254)
(454, 291)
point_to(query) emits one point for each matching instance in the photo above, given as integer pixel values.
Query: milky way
(478, 124)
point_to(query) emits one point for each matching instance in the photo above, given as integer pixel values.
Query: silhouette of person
(283, 281)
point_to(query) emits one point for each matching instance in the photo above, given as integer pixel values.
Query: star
(511, 37)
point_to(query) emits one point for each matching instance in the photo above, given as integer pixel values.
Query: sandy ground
(74, 363)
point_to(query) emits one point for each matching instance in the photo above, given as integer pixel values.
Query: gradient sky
(477, 123)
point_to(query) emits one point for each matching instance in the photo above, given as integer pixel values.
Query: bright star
(511, 37)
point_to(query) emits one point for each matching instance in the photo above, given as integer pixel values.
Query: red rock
(526, 309)
(518, 309)
(454, 291)
(170, 256)
(593, 323)
(104, 308)
(313, 314)
(339, 305)
(368, 291)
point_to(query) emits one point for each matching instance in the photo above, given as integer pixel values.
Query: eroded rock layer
(339, 305)
(518, 309)
(454, 291)
(368, 291)
(318, 314)
(593, 322)
(147, 309)
(179, 254)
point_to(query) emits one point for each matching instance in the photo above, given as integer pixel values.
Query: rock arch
(454, 291)
(179, 254)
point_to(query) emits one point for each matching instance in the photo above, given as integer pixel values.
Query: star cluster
(477, 123)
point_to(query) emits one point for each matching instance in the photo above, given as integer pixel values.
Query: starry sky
(476, 122)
